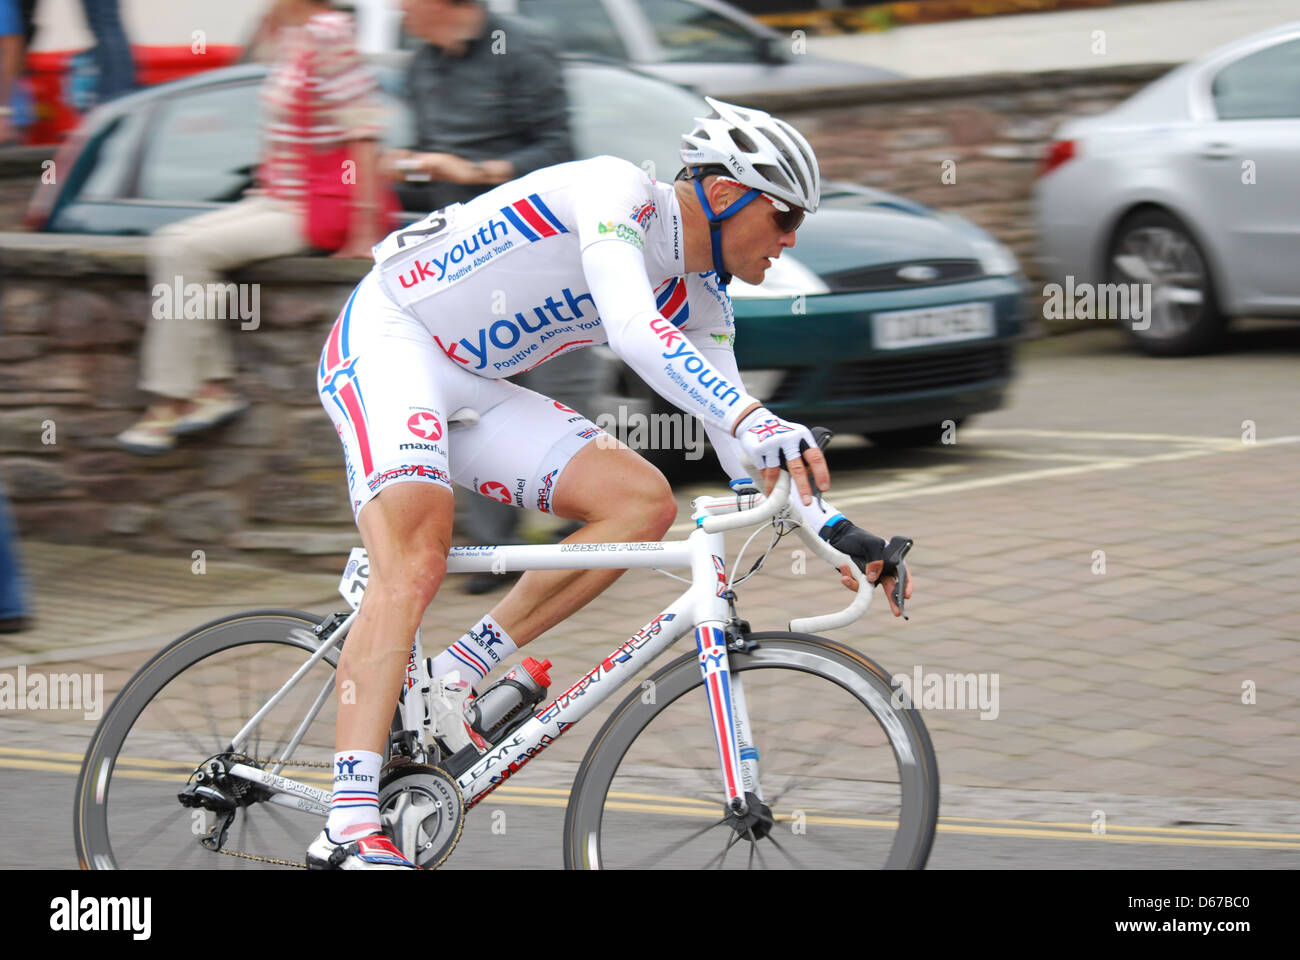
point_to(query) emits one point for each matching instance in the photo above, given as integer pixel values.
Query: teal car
(887, 319)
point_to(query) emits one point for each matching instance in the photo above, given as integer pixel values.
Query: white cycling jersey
(569, 256)
(563, 258)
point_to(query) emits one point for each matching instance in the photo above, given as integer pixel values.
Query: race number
(417, 234)
(355, 575)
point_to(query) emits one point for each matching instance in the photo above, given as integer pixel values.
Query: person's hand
(873, 573)
(388, 164)
(867, 551)
(770, 441)
(496, 171)
(450, 168)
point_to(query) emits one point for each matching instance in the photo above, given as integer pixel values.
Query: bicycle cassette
(422, 810)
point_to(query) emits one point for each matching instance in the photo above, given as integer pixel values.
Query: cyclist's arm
(658, 352)
(731, 455)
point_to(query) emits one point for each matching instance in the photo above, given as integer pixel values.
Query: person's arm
(864, 547)
(348, 90)
(11, 58)
(537, 85)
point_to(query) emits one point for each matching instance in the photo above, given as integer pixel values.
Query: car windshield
(577, 26)
(688, 32)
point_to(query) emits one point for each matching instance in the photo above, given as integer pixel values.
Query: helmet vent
(743, 142)
(774, 174)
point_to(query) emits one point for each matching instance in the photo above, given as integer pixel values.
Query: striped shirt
(318, 95)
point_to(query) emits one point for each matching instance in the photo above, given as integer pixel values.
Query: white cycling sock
(354, 809)
(477, 653)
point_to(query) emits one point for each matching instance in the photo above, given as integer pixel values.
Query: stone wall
(72, 310)
(273, 482)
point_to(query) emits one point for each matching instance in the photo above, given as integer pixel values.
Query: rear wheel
(1154, 250)
(179, 714)
(849, 778)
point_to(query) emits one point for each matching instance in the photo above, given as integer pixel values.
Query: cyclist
(571, 255)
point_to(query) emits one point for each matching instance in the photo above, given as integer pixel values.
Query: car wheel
(924, 436)
(1153, 247)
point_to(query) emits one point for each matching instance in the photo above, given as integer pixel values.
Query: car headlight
(762, 384)
(996, 260)
(786, 277)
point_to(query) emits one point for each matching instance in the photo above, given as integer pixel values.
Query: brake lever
(894, 552)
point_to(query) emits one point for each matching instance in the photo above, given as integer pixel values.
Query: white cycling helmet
(759, 150)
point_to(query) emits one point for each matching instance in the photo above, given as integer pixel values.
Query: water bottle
(506, 700)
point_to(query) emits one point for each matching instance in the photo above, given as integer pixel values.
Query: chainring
(422, 811)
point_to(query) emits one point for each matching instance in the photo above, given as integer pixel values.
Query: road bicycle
(756, 749)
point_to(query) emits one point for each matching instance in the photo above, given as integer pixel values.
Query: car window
(206, 144)
(601, 101)
(577, 26)
(689, 32)
(203, 145)
(112, 158)
(1263, 85)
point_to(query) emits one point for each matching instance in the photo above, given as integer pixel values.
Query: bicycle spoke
(676, 846)
(722, 857)
(173, 725)
(786, 853)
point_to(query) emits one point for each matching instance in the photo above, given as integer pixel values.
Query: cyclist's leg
(384, 384)
(406, 531)
(545, 456)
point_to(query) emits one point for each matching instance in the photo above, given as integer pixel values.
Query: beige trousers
(184, 344)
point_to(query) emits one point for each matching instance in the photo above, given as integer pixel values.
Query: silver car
(1180, 208)
(708, 45)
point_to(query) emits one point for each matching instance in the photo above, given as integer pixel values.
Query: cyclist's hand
(867, 551)
(770, 442)
(889, 582)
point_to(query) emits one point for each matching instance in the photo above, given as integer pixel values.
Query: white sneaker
(448, 699)
(375, 852)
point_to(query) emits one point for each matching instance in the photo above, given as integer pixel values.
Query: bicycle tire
(606, 804)
(152, 781)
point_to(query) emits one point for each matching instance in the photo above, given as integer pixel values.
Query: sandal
(210, 413)
(149, 437)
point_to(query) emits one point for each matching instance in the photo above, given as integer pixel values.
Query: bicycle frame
(703, 608)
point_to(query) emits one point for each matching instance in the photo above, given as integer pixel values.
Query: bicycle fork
(732, 734)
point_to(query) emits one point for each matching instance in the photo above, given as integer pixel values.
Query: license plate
(914, 328)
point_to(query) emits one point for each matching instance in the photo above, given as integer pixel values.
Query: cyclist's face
(757, 234)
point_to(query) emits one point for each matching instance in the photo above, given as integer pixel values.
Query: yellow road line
(690, 807)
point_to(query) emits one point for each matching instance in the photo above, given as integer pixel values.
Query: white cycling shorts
(389, 390)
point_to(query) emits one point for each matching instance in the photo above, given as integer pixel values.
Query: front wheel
(849, 776)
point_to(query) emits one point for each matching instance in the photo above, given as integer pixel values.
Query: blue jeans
(11, 580)
(112, 51)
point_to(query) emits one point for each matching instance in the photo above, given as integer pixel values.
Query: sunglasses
(787, 218)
